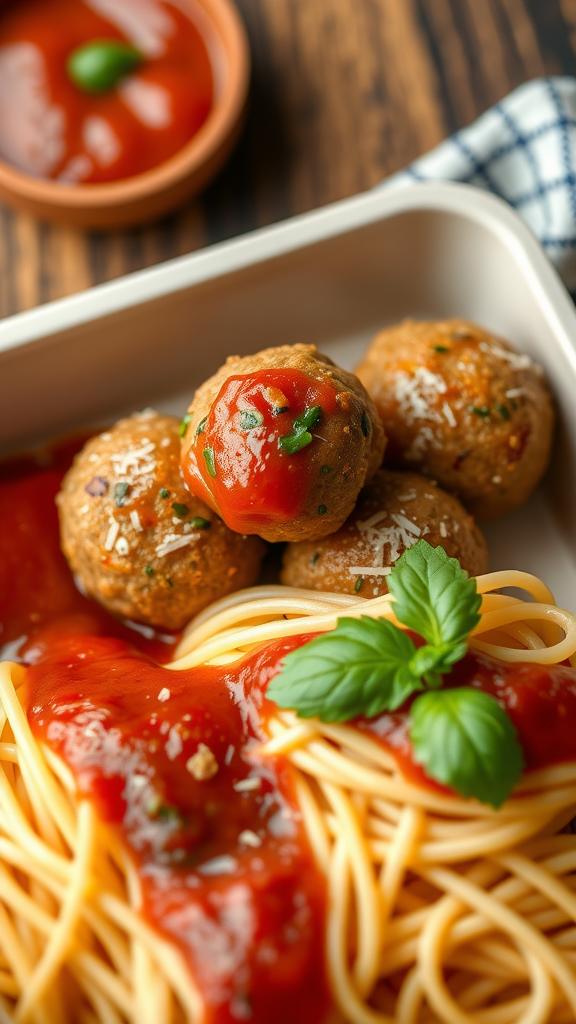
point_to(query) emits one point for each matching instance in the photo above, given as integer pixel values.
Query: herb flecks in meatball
(463, 407)
(394, 511)
(139, 542)
(280, 443)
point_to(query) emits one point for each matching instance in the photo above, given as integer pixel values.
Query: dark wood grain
(344, 92)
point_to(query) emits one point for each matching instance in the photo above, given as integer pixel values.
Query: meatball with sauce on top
(394, 511)
(139, 542)
(463, 407)
(280, 443)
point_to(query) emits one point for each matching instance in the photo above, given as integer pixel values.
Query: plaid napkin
(524, 150)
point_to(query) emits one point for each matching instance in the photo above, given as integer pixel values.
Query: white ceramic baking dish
(331, 277)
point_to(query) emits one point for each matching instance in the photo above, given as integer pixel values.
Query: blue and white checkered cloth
(524, 150)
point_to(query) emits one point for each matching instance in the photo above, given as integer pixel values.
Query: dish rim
(302, 231)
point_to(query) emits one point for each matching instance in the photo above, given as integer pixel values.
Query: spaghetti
(454, 912)
(73, 944)
(440, 909)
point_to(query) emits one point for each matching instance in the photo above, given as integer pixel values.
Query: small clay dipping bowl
(152, 193)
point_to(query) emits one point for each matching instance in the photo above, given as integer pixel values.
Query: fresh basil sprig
(462, 737)
(361, 668)
(436, 599)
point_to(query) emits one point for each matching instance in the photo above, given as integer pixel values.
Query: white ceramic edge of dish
(297, 232)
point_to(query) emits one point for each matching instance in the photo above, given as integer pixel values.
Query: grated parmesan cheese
(450, 417)
(249, 838)
(416, 393)
(246, 785)
(405, 524)
(164, 694)
(172, 542)
(223, 865)
(424, 438)
(370, 570)
(135, 462)
(112, 534)
(122, 546)
(402, 534)
(518, 361)
(173, 746)
(202, 765)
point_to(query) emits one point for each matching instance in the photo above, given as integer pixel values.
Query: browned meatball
(139, 542)
(463, 407)
(280, 443)
(394, 511)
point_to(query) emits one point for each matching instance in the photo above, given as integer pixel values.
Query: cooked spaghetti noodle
(440, 909)
(73, 946)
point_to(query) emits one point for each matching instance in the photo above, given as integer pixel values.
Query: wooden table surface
(344, 92)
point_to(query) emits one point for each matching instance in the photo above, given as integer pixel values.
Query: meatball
(139, 542)
(280, 443)
(463, 407)
(394, 511)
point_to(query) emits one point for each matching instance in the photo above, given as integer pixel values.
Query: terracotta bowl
(155, 192)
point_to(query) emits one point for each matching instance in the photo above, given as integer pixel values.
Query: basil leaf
(292, 443)
(427, 664)
(184, 425)
(308, 419)
(435, 597)
(120, 492)
(250, 418)
(199, 523)
(464, 739)
(210, 460)
(98, 66)
(180, 510)
(300, 435)
(360, 668)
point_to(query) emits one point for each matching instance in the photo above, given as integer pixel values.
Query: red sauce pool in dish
(51, 128)
(540, 700)
(236, 458)
(225, 866)
(227, 872)
(39, 601)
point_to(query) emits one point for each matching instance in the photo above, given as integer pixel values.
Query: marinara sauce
(226, 870)
(38, 595)
(540, 701)
(171, 761)
(52, 128)
(245, 456)
(225, 866)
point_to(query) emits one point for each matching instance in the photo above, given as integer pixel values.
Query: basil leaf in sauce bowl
(98, 66)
